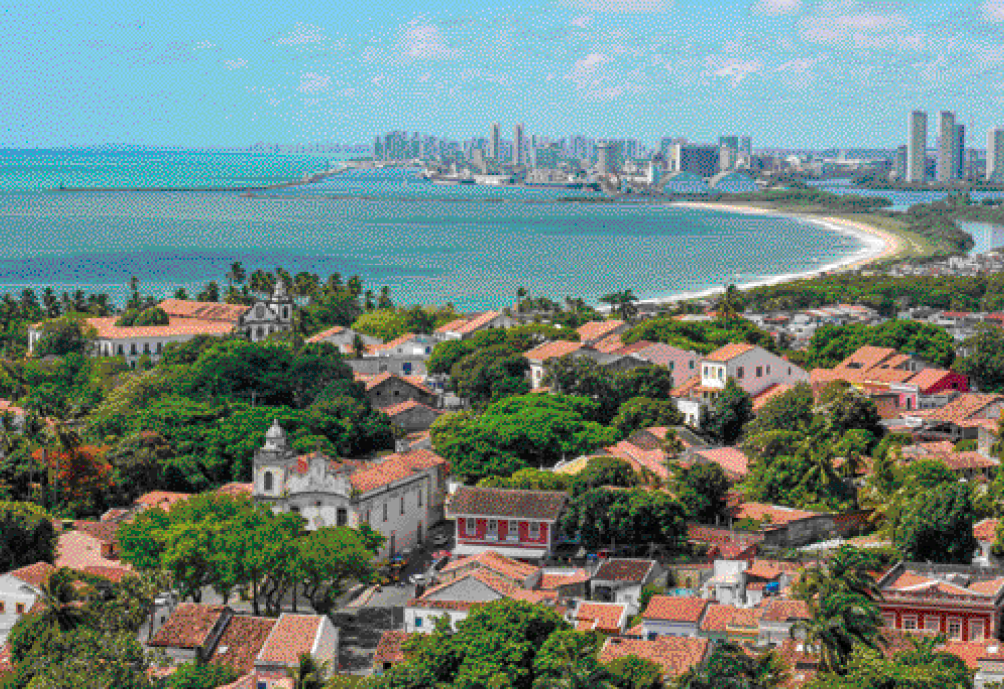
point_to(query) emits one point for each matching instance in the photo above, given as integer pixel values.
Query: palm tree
(840, 621)
(730, 304)
(384, 300)
(62, 603)
(358, 346)
(520, 296)
(622, 302)
(259, 282)
(308, 673)
(236, 275)
(848, 570)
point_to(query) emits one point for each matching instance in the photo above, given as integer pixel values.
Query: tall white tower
(995, 153)
(916, 147)
(947, 148)
(518, 146)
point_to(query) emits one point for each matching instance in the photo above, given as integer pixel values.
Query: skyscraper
(518, 146)
(605, 154)
(947, 148)
(995, 153)
(960, 152)
(729, 142)
(916, 157)
(495, 142)
(746, 145)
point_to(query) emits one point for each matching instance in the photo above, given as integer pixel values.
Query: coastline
(879, 245)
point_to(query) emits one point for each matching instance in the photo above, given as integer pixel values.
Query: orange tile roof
(325, 334)
(762, 570)
(501, 585)
(733, 460)
(106, 329)
(729, 352)
(506, 566)
(393, 468)
(189, 626)
(675, 608)
(106, 532)
(866, 358)
(382, 378)
(79, 549)
(391, 646)
(785, 610)
(771, 514)
(204, 310)
(608, 618)
(402, 407)
(553, 580)
(292, 636)
(962, 408)
(597, 330)
(770, 393)
(985, 531)
(686, 387)
(236, 490)
(989, 587)
(242, 641)
(614, 345)
(113, 574)
(475, 324)
(34, 575)
(553, 350)
(8, 407)
(162, 499)
(674, 654)
(718, 617)
(407, 337)
(451, 326)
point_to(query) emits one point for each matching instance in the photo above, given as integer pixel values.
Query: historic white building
(400, 495)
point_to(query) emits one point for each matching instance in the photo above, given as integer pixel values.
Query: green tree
(702, 490)
(732, 667)
(983, 361)
(921, 667)
(643, 412)
(851, 410)
(832, 344)
(622, 303)
(198, 675)
(632, 672)
(729, 414)
(636, 517)
(789, 411)
(86, 659)
(490, 374)
(938, 526)
(604, 471)
(841, 622)
(309, 673)
(28, 535)
(64, 335)
(567, 660)
(329, 559)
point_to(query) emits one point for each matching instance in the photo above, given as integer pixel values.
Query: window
(132, 348)
(470, 527)
(285, 312)
(534, 530)
(768, 369)
(419, 497)
(691, 364)
(932, 623)
(146, 347)
(120, 350)
(269, 481)
(493, 529)
(418, 621)
(385, 511)
(512, 531)
(342, 516)
(406, 368)
(955, 629)
(739, 372)
(3, 608)
(160, 347)
(259, 312)
(721, 374)
(367, 517)
(909, 622)
(19, 608)
(890, 620)
(402, 504)
(759, 371)
(976, 630)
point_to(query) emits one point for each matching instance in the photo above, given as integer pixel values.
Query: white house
(673, 616)
(19, 591)
(779, 616)
(294, 635)
(621, 581)
(400, 495)
(727, 582)
(344, 338)
(462, 328)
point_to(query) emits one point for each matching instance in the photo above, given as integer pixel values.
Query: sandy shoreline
(879, 245)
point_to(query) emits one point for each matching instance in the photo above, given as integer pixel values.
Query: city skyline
(791, 73)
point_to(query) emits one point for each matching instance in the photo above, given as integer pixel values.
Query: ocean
(431, 244)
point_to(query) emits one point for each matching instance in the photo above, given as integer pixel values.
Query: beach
(879, 245)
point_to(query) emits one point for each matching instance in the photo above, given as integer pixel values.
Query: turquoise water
(472, 246)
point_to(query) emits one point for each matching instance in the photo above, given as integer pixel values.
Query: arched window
(285, 313)
(259, 312)
(132, 348)
(120, 350)
(160, 347)
(268, 482)
(146, 347)
(261, 333)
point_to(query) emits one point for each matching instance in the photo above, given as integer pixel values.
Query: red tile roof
(34, 575)
(618, 569)
(608, 618)
(189, 626)
(554, 580)
(382, 378)
(506, 566)
(962, 408)
(393, 344)
(325, 334)
(396, 467)
(500, 502)
(770, 393)
(242, 641)
(105, 328)
(674, 654)
(686, 387)
(161, 499)
(236, 490)
(106, 532)
(733, 460)
(113, 574)
(402, 407)
(675, 609)
(866, 358)
(785, 610)
(718, 617)
(503, 586)
(204, 310)
(475, 324)
(985, 531)
(391, 647)
(553, 350)
(729, 352)
(292, 636)
(771, 514)
(451, 326)
(597, 330)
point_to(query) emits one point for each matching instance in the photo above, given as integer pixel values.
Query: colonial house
(675, 655)
(186, 320)
(520, 574)
(619, 580)
(604, 618)
(960, 419)
(779, 617)
(594, 332)
(411, 416)
(463, 328)
(20, 589)
(672, 616)
(963, 603)
(345, 339)
(516, 523)
(682, 363)
(389, 389)
(753, 368)
(192, 632)
(400, 495)
(717, 618)
(538, 356)
(295, 635)
(970, 465)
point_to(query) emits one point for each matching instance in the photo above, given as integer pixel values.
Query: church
(400, 495)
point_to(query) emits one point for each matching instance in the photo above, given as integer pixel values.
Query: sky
(789, 73)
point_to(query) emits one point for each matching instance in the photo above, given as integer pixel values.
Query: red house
(962, 603)
(516, 523)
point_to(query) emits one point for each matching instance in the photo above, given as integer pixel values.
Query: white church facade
(400, 495)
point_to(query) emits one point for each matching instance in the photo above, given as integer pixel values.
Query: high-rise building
(518, 146)
(495, 142)
(960, 152)
(947, 148)
(995, 153)
(378, 148)
(606, 152)
(899, 163)
(729, 142)
(746, 145)
(916, 157)
(697, 159)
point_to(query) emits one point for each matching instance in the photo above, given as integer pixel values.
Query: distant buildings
(518, 146)
(495, 142)
(916, 157)
(995, 153)
(698, 159)
(947, 147)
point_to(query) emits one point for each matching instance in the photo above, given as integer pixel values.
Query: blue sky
(791, 73)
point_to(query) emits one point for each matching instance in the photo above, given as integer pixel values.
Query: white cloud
(623, 6)
(239, 63)
(776, 7)
(421, 40)
(799, 65)
(582, 22)
(993, 10)
(732, 69)
(303, 35)
(586, 71)
(311, 82)
(848, 24)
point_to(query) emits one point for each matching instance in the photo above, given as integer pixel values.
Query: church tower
(272, 464)
(282, 304)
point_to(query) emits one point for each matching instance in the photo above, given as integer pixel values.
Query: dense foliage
(28, 535)
(832, 344)
(702, 337)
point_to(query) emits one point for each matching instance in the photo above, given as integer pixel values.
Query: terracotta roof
(770, 393)
(424, 602)
(161, 499)
(393, 468)
(501, 502)
(325, 334)
(236, 490)
(661, 354)
(771, 514)
(674, 654)
(8, 407)
(675, 608)
(402, 407)
(204, 310)
(390, 649)
(686, 387)
(553, 350)
(106, 532)
(962, 408)
(242, 641)
(985, 531)
(633, 348)
(597, 330)
(930, 377)
(79, 550)
(745, 619)
(553, 580)
(451, 326)
(292, 636)
(762, 570)
(34, 575)
(113, 574)
(729, 352)
(866, 358)
(989, 587)
(733, 460)
(618, 569)
(608, 618)
(613, 344)
(499, 584)
(718, 617)
(189, 626)
(785, 610)
(506, 566)
(382, 378)
(393, 344)
(106, 329)
(478, 322)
